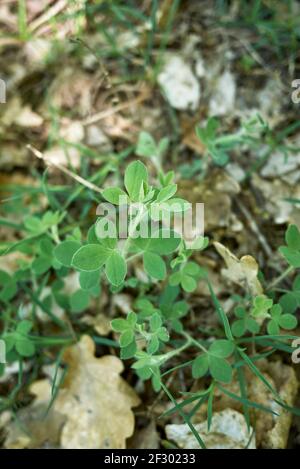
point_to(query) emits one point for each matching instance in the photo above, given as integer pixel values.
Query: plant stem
(194, 342)
(178, 351)
(280, 278)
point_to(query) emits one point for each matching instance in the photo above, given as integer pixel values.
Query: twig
(77, 178)
(279, 279)
(113, 110)
(48, 15)
(254, 227)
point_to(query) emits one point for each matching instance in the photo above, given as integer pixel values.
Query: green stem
(178, 351)
(194, 342)
(279, 279)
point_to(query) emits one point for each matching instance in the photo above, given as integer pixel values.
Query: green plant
(154, 335)
(218, 147)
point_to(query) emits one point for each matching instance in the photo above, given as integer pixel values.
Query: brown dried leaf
(240, 271)
(34, 428)
(95, 399)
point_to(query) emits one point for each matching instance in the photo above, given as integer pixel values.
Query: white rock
(28, 119)
(95, 137)
(236, 171)
(72, 131)
(59, 156)
(223, 95)
(200, 67)
(280, 164)
(179, 84)
(228, 431)
(37, 50)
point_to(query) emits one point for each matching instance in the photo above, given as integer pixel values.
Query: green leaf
(222, 348)
(296, 283)
(24, 327)
(292, 256)
(273, 328)
(126, 338)
(136, 175)
(166, 193)
(261, 305)
(164, 242)
(163, 334)
(90, 257)
(288, 322)
(25, 347)
(191, 268)
(115, 195)
(153, 345)
(289, 302)
(46, 247)
(89, 280)
(116, 268)
(79, 301)
(34, 225)
(292, 237)
(154, 265)
(9, 286)
(91, 236)
(65, 251)
(252, 326)
(175, 279)
(146, 145)
(220, 369)
(188, 283)
(129, 351)
(119, 325)
(200, 366)
(239, 328)
(41, 264)
(132, 319)
(155, 322)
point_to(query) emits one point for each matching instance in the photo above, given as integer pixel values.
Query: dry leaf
(92, 409)
(95, 399)
(100, 323)
(240, 271)
(34, 428)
